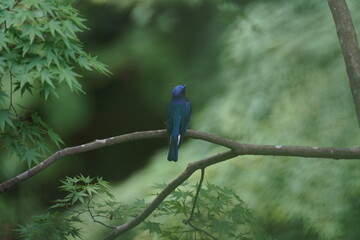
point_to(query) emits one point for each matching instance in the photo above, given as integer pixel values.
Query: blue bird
(178, 116)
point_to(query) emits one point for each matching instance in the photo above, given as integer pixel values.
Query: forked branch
(190, 169)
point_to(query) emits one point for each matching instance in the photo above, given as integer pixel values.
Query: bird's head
(179, 91)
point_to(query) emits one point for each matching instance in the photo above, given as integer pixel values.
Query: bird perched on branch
(178, 116)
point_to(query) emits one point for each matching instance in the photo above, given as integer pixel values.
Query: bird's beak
(184, 85)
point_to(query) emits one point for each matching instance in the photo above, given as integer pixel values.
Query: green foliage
(50, 226)
(39, 50)
(41, 47)
(81, 189)
(27, 137)
(5, 119)
(84, 196)
(219, 214)
(58, 225)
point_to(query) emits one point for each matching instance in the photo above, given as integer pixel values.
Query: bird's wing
(185, 118)
(169, 119)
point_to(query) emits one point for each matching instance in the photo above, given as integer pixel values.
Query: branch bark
(349, 46)
(237, 148)
(79, 149)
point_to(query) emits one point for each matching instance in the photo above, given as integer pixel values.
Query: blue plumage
(178, 116)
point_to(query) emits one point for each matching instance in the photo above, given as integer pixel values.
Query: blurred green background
(263, 72)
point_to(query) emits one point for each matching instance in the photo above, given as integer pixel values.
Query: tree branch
(349, 46)
(238, 149)
(92, 215)
(186, 221)
(79, 149)
(190, 169)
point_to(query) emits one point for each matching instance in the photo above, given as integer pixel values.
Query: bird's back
(179, 111)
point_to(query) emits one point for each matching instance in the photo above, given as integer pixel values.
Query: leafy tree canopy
(39, 50)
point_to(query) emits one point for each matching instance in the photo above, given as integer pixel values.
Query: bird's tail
(174, 147)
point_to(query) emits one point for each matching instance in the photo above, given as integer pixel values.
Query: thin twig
(187, 221)
(78, 213)
(196, 196)
(93, 218)
(202, 231)
(1, 76)
(11, 106)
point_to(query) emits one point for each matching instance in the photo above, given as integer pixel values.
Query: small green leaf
(46, 76)
(38, 63)
(52, 57)
(31, 156)
(20, 15)
(42, 148)
(68, 75)
(3, 98)
(92, 189)
(29, 132)
(47, 91)
(7, 4)
(55, 27)
(70, 29)
(79, 21)
(32, 31)
(98, 66)
(104, 184)
(5, 119)
(13, 144)
(48, 7)
(84, 63)
(25, 46)
(55, 138)
(35, 117)
(4, 41)
(153, 227)
(86, 180)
